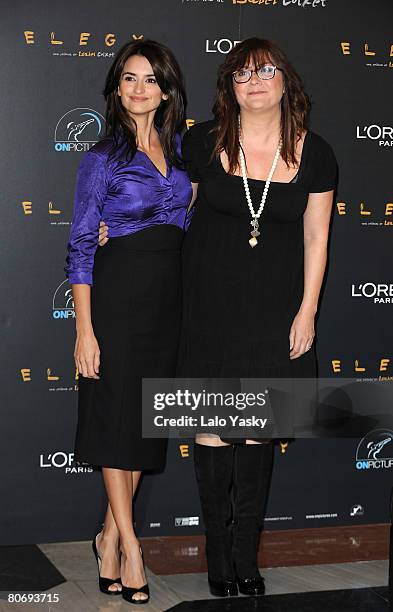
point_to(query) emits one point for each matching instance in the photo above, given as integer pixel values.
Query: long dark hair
(170, 115)
(295, 103)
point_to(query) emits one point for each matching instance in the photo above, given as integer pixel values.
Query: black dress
(240, 302)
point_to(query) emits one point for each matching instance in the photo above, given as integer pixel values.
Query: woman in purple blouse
(128, 295)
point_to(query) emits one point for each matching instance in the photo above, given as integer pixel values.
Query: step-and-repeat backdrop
(54, 58)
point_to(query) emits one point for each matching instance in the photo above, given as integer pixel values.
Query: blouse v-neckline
(167, 172)
(164, 176)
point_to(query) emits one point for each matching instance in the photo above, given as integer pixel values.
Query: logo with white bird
(375, 450)
(78, 129)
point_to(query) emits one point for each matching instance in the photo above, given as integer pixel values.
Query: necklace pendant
(255, 214)
(254, 233)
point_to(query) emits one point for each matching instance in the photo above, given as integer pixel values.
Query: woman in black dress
(128, 295)
(253, 264)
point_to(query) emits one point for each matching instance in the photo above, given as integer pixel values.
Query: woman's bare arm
(194, 194)
(87, 353)
(316, 221)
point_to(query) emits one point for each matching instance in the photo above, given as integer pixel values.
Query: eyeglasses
(263, 72)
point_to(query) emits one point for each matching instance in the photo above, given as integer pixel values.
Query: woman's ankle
(109, 536)
(129, 546)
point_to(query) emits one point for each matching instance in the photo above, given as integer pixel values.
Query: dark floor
(355, 600)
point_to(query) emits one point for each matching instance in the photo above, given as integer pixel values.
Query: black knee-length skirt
(136, 311)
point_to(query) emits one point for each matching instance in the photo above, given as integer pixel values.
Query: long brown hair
(170, 115)
(295, 103)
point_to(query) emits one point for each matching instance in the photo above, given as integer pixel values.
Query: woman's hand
(87, 355)
(301, 335)
(103, 234)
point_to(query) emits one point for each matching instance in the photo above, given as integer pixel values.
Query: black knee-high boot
(251, 480)
(213, 470)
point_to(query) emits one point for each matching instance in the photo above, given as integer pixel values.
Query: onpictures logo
(357, 510)
(63, 302)
(382, 134)
(375, 450)
(380, 293)
(78, 130)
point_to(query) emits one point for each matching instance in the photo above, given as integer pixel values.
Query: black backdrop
(54, 58)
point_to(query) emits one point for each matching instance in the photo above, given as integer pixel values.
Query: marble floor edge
(302, 579)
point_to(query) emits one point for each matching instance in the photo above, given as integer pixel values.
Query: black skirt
(136, 311)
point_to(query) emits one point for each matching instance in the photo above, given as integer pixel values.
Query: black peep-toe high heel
(129, 592)
(103, 583)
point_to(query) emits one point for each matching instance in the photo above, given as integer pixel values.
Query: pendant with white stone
(254, 233)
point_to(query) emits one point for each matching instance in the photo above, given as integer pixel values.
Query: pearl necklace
(255, 215)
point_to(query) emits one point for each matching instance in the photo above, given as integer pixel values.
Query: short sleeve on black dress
(324, 167)
(198, 143)
(191, 154)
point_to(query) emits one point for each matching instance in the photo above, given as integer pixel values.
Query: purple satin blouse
(128, 196)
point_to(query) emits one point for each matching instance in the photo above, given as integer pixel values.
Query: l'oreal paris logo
(223, 45)
(381, 293)
(384, 134)
(64, 461)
